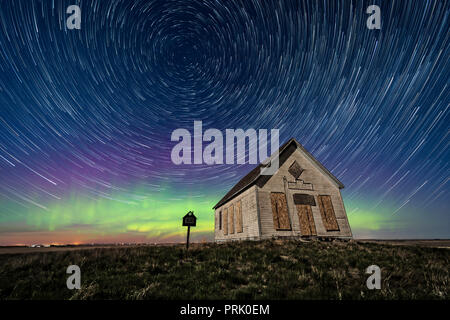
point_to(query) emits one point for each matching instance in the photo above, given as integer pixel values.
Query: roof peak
(255, 177)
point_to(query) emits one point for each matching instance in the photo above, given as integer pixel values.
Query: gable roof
(254, 177)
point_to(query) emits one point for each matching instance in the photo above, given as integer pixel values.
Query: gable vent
(295, 170)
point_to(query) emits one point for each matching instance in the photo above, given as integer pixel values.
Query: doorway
(306, 220)
(303, 202)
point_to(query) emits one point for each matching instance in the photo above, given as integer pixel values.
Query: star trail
(86, 115)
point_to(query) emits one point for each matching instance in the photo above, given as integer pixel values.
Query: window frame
(277, 225)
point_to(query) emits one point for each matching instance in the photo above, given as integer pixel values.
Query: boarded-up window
(280, 211)
(327, 212)
(220, 220)
(225, 221)
(238, 209)
(230, 219)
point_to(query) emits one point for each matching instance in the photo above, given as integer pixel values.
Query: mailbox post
(189, 220)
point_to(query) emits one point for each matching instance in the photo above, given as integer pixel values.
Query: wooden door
(306, 219)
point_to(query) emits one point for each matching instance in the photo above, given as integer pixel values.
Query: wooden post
(189, 220)
(187, 242)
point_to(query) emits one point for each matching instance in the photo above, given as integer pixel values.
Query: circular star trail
(86, 115)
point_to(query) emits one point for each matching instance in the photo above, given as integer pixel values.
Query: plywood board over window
(327, 213)
(225, 221)
(279, 211)
(239, 225)
(230, 219)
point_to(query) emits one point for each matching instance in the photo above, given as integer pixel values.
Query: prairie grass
(271, 269)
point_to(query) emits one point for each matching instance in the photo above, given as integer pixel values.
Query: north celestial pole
(86, 115)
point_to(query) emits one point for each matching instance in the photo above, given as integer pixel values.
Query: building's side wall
(321, 185)
(250, 223)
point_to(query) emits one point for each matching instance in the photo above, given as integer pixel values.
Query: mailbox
(189, 220)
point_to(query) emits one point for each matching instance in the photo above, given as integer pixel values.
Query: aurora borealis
(86, 115)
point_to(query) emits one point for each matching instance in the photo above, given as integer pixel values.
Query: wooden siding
(244, 205)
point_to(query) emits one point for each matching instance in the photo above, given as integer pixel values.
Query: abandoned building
(302, 199)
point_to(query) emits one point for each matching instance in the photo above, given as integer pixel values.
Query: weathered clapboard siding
(250, 224)
(276, 205)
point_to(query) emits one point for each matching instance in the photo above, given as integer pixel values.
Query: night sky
(86, 115)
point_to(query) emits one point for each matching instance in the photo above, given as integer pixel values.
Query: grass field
(272, 269)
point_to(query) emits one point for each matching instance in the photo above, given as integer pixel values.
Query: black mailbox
(189, 220)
